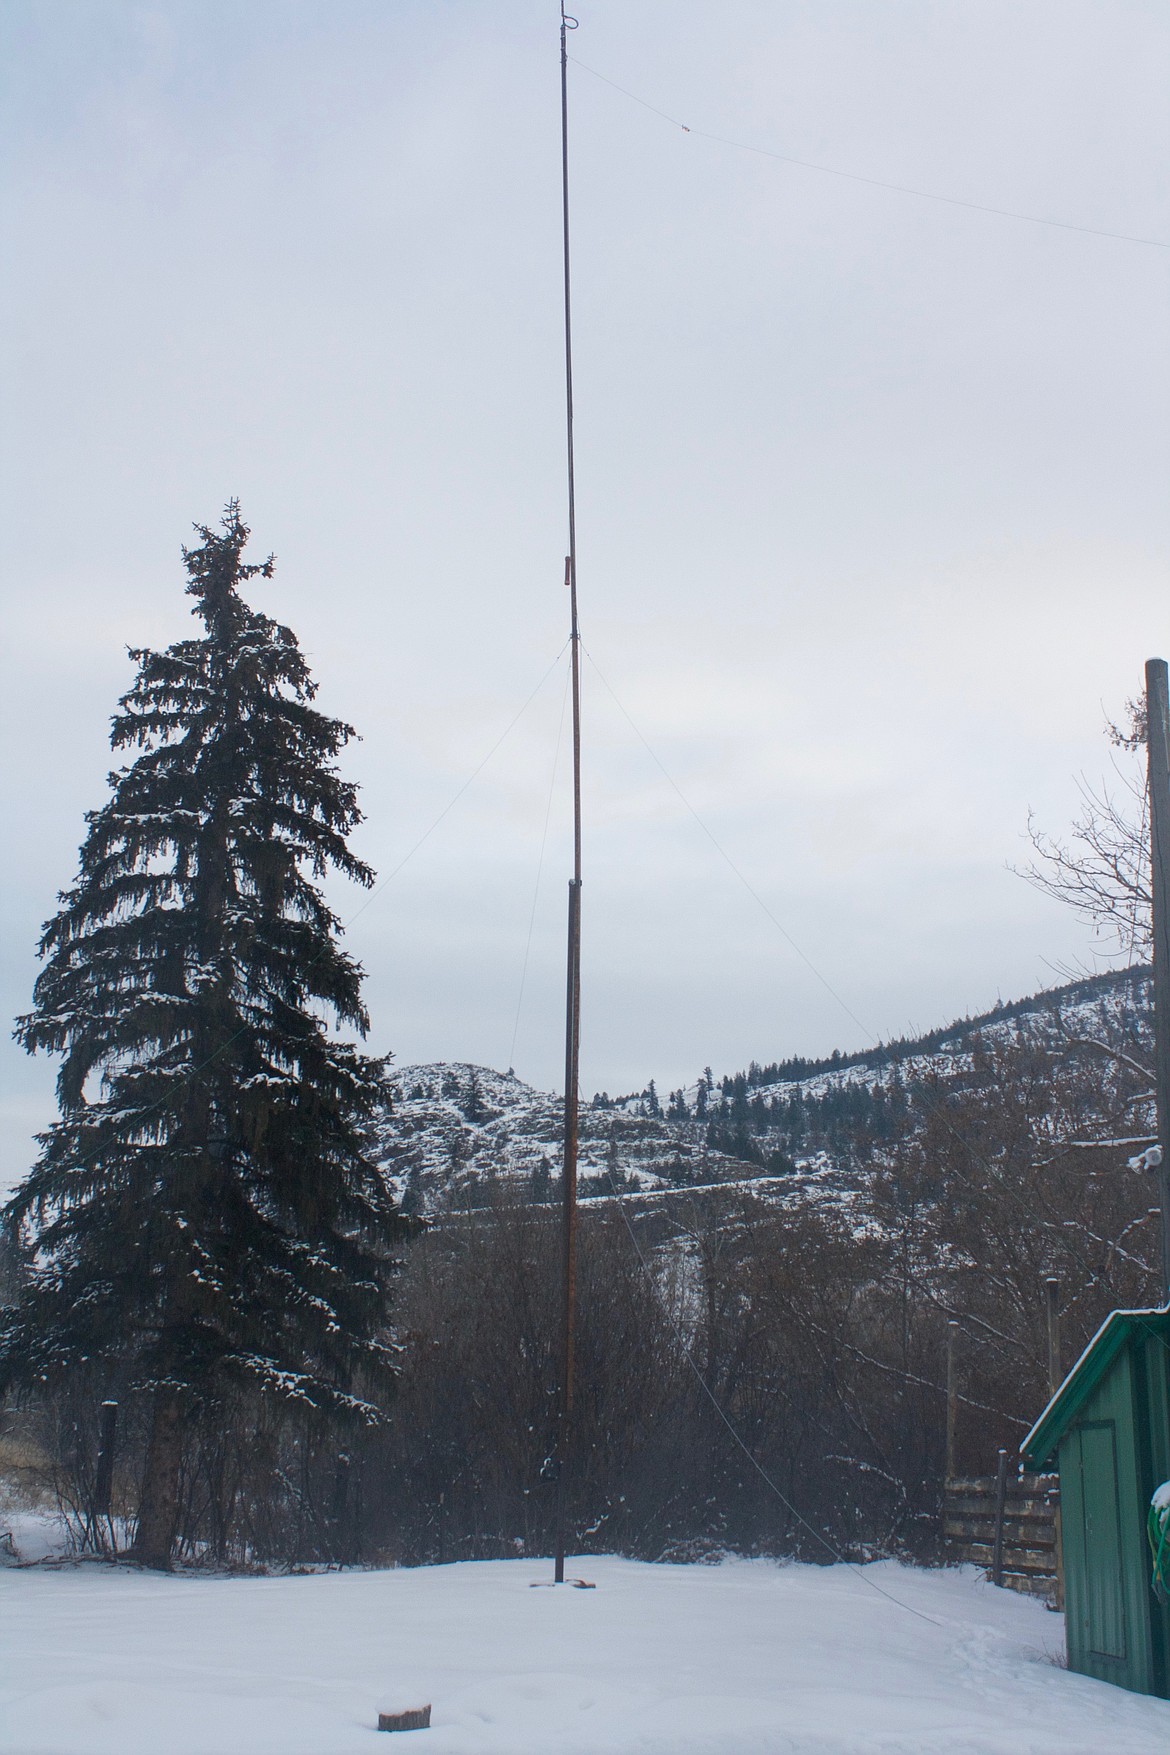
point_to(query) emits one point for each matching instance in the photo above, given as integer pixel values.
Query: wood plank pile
(1028, 1550)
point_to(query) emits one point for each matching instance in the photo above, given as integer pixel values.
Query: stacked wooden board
(1027, 1548)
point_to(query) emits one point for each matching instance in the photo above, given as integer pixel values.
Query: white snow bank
(745, 1658)
(32, 1535)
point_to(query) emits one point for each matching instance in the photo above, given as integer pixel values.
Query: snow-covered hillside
(798, 1130)
(456, 1128)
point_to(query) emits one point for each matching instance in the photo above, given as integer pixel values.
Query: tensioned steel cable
(539, 870)
(818, 1535)
(450, 806)
(788, 158)
(164, 1102)
(1003, 1183)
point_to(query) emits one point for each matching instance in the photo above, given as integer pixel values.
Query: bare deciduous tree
(1102, 869)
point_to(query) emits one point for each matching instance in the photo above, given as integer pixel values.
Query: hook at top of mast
(568, 22)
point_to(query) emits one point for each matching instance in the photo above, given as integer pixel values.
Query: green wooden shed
(1108, 1430)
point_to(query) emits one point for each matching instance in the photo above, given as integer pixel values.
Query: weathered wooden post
(1055, 1379)
(1000, 1506)
(1052, 1301)
(952, 1395)
(103, 1490)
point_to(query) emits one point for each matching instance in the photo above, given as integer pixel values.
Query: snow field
(743, 1658)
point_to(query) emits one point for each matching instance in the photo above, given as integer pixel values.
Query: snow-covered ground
(743, 1658)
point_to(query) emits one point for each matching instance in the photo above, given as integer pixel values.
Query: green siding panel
(1109, 1608)
(1104, 1598)
(1154, 1466)
(1126, 1382)
(1110, 1422)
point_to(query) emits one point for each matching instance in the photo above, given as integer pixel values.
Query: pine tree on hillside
(474, 1107)
(203, 1211)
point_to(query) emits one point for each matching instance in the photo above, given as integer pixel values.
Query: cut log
(1031, 1585)
(983, 1484)
(983, 1505)
(1019, 1547)
(1032, 1533)
(1015, 1559)
(417, 1720)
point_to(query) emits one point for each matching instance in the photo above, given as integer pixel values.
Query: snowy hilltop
(793, 1130)
(456, 1129)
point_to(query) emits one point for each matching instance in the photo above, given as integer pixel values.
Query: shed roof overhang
(1040, 1446)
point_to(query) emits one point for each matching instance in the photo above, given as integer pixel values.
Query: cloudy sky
(874, 522)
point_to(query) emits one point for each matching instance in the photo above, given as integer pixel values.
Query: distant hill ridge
(794, 1129)
(1085, 991)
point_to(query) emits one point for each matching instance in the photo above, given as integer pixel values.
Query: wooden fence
(1009, 1526)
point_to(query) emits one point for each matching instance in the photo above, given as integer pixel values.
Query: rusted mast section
(1158, 755)
(573, 976)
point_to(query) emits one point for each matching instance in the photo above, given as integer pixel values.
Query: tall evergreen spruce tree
(203, 1209)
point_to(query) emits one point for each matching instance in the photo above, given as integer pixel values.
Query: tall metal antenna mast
(573, 978)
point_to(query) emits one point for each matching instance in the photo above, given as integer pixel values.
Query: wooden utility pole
(1001, 1474)
(104, 1477)
(1055, 1379)
(1158, 751)
(573, 972)
(952, 1394)
(1052, 1310)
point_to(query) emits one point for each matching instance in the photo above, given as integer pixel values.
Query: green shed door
(1103, 1603)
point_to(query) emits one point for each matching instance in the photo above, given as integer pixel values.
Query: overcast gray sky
(873, 491)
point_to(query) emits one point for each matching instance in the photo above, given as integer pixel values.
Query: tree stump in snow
(418, 1720)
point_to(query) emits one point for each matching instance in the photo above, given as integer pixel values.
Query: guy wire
(539, 870)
